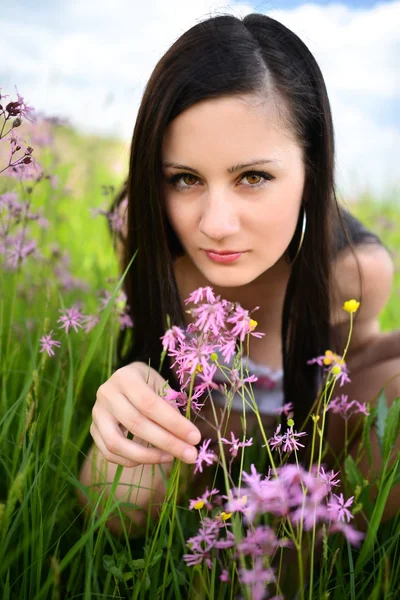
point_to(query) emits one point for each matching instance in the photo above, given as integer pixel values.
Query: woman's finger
(136, 422)
(116, 448)
(141, 395)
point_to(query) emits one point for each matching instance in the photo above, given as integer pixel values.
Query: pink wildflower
(204, 455)
(242, 323)
(340, 509)
(47, 343)
(178, 399)
(225, 576)
(206, 540)
(237, 382)
(200, 295)
(19, 252)
(191, 357)
(90, 322)
(210, 317)
(125, 320)
(72, 318)
(333, 361)
(206, 376)
(351, 534)
(286, 409)
(341, 405)
(286, 442)
(21, 109)
(329, 479)
(262, 541)
(235, 444)
(228, 348)
(204, 499)
(171, 337)
(257, 578)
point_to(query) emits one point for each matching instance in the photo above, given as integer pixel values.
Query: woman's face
(216, 204)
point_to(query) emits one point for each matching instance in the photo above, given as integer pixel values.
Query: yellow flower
(331, 357)
(336, 370)
(224, 516)
(198, 505)
(253, 324)
(199, 369)
(351, 306)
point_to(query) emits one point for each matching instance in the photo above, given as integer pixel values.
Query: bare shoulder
(377, 271)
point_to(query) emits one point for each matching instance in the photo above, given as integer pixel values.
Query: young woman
(233, 152)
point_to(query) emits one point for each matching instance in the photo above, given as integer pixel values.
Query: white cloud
(108, 51)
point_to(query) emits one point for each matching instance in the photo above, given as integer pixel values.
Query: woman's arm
(142, 486)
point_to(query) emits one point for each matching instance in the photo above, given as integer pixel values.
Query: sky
(89, 61)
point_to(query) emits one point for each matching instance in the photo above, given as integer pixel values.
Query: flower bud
(17, 122)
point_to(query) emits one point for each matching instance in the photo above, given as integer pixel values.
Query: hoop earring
(303, 229)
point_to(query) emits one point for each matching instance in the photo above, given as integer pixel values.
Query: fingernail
(167, 458)
(193, 437)
(190, 454)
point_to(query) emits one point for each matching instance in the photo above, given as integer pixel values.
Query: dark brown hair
(223, 56)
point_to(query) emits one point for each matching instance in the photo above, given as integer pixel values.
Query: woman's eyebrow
(234, 169)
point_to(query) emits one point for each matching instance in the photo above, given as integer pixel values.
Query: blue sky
(89, 60)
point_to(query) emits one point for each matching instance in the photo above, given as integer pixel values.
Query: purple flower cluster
(303, 499)
(341, 405)
(290, 495)
(73, 318)
(207, 539)
(295, 494)
(216, 327)
(16, 215)
(286, 442)
(335, 365)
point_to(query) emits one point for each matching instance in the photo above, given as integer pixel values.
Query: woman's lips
(223, 258)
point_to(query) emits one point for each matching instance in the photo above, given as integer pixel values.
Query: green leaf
(108, 562)
(111, 567)
(381, 415)
(356, 480)
(147, 582)
(352, 472)
(391, 428)
(117, 573)
(366, 434)
(397, 475)
(376, 518)
(156, 558)
(139, 563)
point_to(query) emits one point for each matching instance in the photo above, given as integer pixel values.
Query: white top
(268, 390)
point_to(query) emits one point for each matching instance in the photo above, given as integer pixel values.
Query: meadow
(61, 290)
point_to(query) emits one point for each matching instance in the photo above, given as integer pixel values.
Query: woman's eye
(261, 179)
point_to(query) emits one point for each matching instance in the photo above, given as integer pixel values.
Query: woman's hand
(124, 403)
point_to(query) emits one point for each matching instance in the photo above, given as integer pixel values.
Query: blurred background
(89, 60)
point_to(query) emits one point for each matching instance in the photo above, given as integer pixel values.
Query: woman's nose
(219, 218)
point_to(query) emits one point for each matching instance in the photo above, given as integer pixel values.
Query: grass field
(49, 547)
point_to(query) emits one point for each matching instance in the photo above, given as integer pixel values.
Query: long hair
(223, 56)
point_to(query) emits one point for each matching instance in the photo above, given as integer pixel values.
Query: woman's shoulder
(366, 270)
